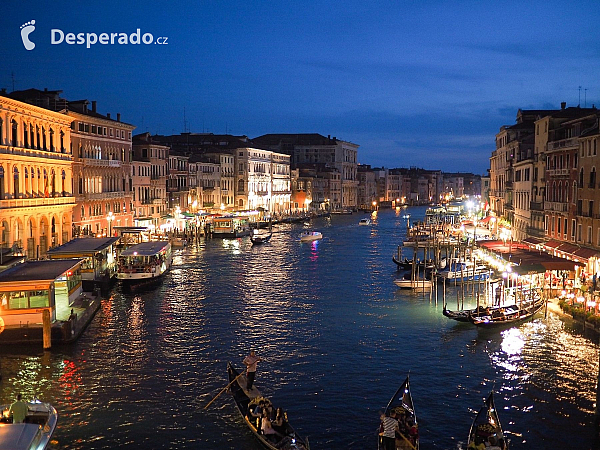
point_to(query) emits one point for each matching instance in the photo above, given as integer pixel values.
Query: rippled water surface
(338, 339)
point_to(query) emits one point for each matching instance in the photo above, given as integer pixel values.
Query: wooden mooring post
(46, 328)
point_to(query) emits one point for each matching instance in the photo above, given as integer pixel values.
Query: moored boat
(34, 433)
(288, 438)
(464, 272)
(145, 261)
(506, 314)
(309, 236)
(462, 315)
(486, 428)
(402, 404)
(419, 284)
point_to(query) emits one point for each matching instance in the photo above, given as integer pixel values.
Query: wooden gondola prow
(223, 390)
(408, 441)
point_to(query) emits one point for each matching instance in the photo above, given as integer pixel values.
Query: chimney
(118, 117)
(563, 105)
(45, 89)
(94, 106)
(108, 115)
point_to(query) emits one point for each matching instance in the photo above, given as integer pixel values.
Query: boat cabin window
(24, 299)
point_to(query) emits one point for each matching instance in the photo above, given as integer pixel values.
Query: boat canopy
(145, 248)
(18, 436)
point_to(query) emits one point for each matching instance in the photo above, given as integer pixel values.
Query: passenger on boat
(267, 428)
(280, 422)
(18, 410)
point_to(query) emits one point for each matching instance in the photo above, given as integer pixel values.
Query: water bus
(144, 262)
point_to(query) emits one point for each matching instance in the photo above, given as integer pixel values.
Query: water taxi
(34, 433)
(309, 236)
(364, 221)
(145, 261)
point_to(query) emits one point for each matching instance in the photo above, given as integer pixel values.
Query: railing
(556, 206)
(558, 172)
(36, 201)
(536, 206)
(158, 201)
(262, 193)
(275, 191)
(104, 195)
(563, 144)
(35, 153)
(102, 162)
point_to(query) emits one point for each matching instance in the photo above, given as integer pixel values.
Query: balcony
(36, 201)
(262, 193)
(563, 144)
(102, 162)
(32, 152)
(104, 195)
(536, 206)
(558, 172)
(158, 201)
(556, 206)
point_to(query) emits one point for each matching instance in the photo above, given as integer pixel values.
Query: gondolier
(250, 361)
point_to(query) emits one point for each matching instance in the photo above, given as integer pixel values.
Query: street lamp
(374, 204)
(109, 219)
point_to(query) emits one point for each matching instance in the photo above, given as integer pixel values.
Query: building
(313, 148)
(101, 158)
(150, 197)
(36, 177)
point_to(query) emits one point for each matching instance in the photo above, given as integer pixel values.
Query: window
(565, 230)
(573, 229)
(579, 227)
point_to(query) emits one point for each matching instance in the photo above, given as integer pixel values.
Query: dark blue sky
(412, 82)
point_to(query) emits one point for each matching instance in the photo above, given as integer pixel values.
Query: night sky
(414, 83)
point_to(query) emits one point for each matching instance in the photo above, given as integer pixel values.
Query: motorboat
(34, 433)
(364, 221)
(465, 272)
(309, 236)
(408, 283)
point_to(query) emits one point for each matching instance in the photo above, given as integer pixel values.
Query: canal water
(337, 339)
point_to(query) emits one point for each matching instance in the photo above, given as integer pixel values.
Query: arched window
(567, 193)
(15, 132)
(62, 142)
(26, 186)
(16, 182)
(63, 179)
(25, 136)
(581, 177)
(51, 140)
(593, 178)
(2, 192)
(44, 139)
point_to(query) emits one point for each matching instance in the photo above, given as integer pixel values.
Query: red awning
(568, 248)
(486, 220)
(552, 243)
(586, 253)
(532, 241)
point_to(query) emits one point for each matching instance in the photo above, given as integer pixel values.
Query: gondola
(486, 428)
(402, 404)
(244, 399)
(402, 265)
(260, 238)
(506, 314)
(463, 315)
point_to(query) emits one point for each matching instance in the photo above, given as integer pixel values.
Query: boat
(244, 401)
(309, 236)
(231, 226)
(34, 433)
(486, 428)
(406, 263)
(462, 315)
(464, 272)
(402, 404)
(364, 221)
(407, 283)
(257, 238)
(504, 315)
(144, 262)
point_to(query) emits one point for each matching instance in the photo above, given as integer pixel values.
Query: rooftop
(38, 270)
(84, 246)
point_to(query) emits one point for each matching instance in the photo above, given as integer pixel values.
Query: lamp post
(109, 219)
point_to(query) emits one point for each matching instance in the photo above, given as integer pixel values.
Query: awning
(529, 269)
(532, 241)
(586, 253)
(553, 243)
(568, 248)
(486, 220)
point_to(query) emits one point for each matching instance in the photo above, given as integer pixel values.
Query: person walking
(18, 410)
(250, 361)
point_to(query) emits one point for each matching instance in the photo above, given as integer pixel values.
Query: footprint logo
(26, 29)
